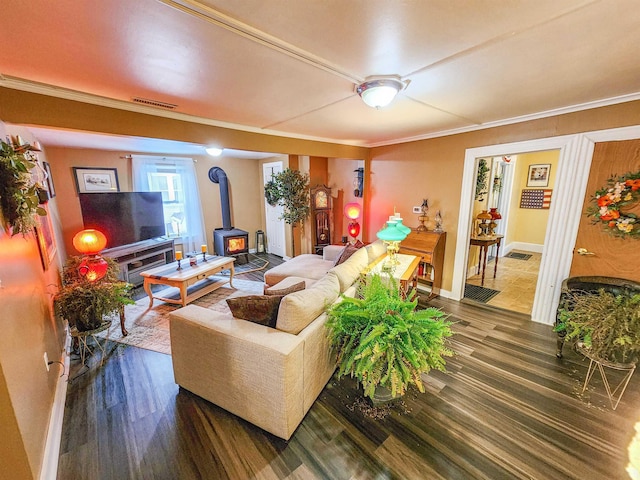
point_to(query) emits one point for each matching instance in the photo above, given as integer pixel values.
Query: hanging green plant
(19, 199)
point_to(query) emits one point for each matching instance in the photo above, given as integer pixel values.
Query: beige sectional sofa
(268, 376)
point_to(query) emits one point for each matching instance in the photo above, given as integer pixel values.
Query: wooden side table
(406, 272)
(484, 243)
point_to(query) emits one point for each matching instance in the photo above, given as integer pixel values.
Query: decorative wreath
(609, 201)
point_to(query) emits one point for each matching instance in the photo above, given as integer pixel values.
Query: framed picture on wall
(50, 186)
(93, 180)
(46, 240)
(539, 175)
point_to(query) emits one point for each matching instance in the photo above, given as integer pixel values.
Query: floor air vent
(155, 103)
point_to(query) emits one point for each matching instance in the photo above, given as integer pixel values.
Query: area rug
(479, 294)
(255, 263)
(149, 327)
(518, 256)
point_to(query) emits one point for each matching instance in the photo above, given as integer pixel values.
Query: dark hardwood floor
(506, 408)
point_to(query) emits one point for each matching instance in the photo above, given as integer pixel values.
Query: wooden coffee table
(197, 277)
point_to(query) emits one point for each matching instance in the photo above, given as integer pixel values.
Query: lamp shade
(380, 92)
(391, 233)
(90, 241)
(403, 228)
(352, 210)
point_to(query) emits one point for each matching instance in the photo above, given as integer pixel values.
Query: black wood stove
(228, 241)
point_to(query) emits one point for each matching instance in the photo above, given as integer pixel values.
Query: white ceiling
(290, 67)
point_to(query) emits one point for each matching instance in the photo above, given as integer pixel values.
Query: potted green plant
(290, 189)
(383, 341)
(19, 199)
(605, 325)
(83, 303)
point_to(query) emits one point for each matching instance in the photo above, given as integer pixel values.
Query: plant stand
(82, 338)
(594, 363)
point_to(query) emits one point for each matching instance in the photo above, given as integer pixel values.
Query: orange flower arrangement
(620, 192)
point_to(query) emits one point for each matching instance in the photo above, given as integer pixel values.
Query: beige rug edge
(149, 327)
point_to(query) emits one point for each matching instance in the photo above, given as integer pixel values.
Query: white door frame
(576, 153)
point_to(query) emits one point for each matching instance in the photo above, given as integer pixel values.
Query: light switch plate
(417, 209)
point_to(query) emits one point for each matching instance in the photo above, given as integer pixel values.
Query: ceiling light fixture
(214, 151)
(378, 92)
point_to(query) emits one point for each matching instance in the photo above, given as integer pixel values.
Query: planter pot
(591, 284)
(382, 396)
(84, 323)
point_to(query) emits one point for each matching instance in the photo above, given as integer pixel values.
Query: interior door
(607, 255)
(275, 228)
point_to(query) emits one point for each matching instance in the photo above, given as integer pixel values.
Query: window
(175, 178)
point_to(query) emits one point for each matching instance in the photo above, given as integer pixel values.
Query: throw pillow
(346, 253)
(285, 291)
(262, 309)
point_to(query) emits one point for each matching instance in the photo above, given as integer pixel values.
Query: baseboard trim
(49, 469)
(527, 247)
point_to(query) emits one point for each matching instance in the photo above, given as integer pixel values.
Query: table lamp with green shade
(392, 235)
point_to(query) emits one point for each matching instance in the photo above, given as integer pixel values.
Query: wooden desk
(187, 276)
(429, 246)
(406, 272)
(484, 243)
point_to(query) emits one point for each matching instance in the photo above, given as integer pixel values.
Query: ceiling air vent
(154, 103)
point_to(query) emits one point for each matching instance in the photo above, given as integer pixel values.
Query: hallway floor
(515, 280)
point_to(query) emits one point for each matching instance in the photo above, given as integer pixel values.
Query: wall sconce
(352, 212)
(214, 151)
(89, 243)
(358, 182)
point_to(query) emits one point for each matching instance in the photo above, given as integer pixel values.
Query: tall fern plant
(382, 340)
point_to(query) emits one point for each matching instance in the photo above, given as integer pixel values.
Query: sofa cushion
(262, 309)
(376, 249)
(345, 254)
(349, 271)
(306, 265)
(299, 309)
(286, 286)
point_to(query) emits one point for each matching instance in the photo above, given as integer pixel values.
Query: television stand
(140, 256)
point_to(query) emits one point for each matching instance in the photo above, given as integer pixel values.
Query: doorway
(506, 274)
(274, 225)
(576, 153)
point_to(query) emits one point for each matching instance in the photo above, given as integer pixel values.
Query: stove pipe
(217, 175)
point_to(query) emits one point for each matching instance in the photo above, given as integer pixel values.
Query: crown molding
(510, 121)
(68, 94)
(16, 83)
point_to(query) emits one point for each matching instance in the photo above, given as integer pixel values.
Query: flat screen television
(124, 217)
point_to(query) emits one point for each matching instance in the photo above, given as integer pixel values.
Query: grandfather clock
(321, 216)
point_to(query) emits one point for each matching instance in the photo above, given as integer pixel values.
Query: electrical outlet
(417, 209)
(46, 361)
